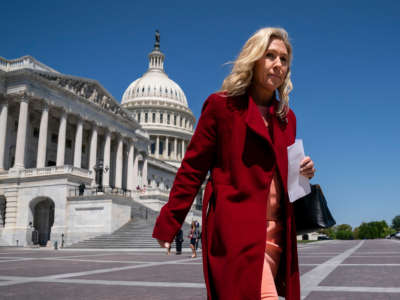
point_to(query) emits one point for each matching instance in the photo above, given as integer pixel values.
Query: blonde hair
(240, 78)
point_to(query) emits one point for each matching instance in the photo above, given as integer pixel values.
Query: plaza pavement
(339, 270)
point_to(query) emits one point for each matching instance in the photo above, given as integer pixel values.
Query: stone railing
(22, 62)
(94, 191)
(66, 169)
(47, 171)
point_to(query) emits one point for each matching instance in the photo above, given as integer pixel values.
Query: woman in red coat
(249, 236)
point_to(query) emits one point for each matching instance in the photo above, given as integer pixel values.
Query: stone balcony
(47, 172)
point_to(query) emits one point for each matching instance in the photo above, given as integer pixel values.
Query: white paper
(298, 185)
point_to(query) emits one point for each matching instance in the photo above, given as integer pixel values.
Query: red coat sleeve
(198, 159)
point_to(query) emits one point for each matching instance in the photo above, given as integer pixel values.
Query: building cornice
(161, 164)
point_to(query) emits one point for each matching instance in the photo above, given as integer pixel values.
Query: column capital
(95, 123)
(23, 97)
(44, 105)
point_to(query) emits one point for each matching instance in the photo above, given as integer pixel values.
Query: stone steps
(135, 234)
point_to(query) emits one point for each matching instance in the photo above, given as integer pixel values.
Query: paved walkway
(340, 270)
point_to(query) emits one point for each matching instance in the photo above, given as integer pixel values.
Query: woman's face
(271, 69)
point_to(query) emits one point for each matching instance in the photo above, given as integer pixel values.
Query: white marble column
(93, 149)
(183, 148)
(21, 134)
(106, 160)
(3, 132)
(42, 143)
(130, 181)
(78, 144)
(62, 133)
(166, 153)
(175, 148)
(118, 163)
(157, 154)
(144, 172)
(136, 171)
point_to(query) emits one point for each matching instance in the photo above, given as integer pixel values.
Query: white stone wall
(93, 216)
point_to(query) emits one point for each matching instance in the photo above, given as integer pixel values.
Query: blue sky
(345, 72)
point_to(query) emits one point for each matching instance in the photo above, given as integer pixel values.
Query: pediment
(89, 90)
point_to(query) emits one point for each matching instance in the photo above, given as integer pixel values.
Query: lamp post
(99, 174)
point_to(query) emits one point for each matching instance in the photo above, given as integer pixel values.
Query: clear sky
(345, 72)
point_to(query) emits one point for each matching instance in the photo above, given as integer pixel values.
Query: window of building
(168, 119)
(36, 132)
(68, 143)
(153, 117)
(175, 120)
(138, 117)
(153, 147)
(161, 117)
(146, 117)
(83, 148)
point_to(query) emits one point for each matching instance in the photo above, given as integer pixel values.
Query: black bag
(311, 212)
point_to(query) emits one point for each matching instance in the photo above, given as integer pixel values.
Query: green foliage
(356, 233)
(389, 231)
(396, 223)
(344, 232)
(373, 230)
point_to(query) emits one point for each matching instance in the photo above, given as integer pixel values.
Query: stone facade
(73, 162)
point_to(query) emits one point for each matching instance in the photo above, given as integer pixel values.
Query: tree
(344, 232)
(373, 230)
(396, 223)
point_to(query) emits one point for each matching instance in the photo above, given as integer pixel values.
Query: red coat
(232, 142)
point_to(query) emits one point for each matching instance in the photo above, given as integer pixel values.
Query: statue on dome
(157, 43)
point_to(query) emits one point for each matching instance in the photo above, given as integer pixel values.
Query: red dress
(274, 239)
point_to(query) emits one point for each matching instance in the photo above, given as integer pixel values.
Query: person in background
(178, 242)
(192, 236)
(249, 235)
(198, 234)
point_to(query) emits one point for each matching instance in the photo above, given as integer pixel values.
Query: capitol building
(75, 163)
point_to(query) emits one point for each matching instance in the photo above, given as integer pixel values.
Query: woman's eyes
(273, 56)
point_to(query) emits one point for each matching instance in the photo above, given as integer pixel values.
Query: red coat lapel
(255, 122)
(280, 144)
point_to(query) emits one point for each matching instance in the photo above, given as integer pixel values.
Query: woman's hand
(164, 244)
(307, 167)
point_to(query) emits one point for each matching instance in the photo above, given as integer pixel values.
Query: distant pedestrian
(193, 239)
(179, 242)
(198, 235)
(81, 189)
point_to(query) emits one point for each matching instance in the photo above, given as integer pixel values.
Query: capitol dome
(161, 108)
(154, 84)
